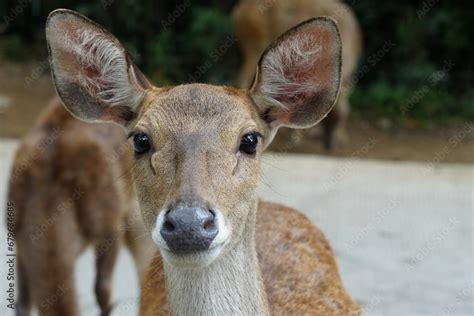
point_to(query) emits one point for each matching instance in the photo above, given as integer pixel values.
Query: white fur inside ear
(102, 67)
(282, 69)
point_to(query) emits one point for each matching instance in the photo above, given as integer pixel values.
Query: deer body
(71, 188)
(258, 23)
(197, 167)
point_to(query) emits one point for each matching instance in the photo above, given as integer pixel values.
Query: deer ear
(93, 75)
(298, 76)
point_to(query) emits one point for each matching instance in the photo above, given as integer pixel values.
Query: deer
(70, 189)
(220, 250)
(258, 23)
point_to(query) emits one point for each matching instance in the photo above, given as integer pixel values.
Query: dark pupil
(141, 143)
(248, 144)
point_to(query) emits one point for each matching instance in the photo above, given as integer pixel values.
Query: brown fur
(281, 233)
(270, 259)
(71, 188)
(258, 23)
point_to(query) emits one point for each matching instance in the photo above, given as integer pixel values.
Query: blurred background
(396, 199)
(413, 88)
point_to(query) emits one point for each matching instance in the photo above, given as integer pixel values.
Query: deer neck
(232, 285)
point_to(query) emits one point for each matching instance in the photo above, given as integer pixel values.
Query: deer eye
(141, 142)
(248, 143)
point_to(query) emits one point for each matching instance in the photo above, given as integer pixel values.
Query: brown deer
(70, 188)
(258, 23)
(197, 166)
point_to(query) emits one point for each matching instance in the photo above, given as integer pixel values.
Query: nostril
(168, 226)
(209, 224)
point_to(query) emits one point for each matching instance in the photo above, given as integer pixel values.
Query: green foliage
(204, 51)
(11, 47)
(426, 73)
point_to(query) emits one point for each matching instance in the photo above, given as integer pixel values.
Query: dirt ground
(26, 89)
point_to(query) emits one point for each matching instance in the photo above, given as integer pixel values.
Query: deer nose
(188, 230)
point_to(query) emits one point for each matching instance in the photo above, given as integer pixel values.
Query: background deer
(197, 166)
(71, 188)
(258, 23)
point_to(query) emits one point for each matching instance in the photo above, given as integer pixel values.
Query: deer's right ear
(93, 75)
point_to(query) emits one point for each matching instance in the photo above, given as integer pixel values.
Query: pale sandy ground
(402, 231)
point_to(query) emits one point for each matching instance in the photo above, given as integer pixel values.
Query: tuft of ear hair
(92, 73)
(298, 76)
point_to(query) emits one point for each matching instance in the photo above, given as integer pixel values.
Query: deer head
(197, 147)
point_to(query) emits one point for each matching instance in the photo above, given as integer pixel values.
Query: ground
(27, 89)
(402, 232)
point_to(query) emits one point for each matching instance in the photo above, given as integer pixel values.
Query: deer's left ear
(298, 76)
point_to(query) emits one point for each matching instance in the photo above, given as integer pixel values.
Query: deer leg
(329, 129)
(106, 256)
(334, 124)
(23, 304)
(57, 294)
(343, 112)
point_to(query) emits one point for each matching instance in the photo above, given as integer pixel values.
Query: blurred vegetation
(417, 64)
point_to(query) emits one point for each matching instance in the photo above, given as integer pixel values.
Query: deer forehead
(199, 109)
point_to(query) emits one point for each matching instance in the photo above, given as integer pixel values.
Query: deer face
(197, 167)
(197, 147)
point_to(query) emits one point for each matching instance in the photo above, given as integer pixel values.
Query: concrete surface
(402, 231)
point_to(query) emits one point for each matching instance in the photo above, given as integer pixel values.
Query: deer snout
(187, 230)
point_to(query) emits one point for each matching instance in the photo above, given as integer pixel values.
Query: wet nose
(188, 230)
